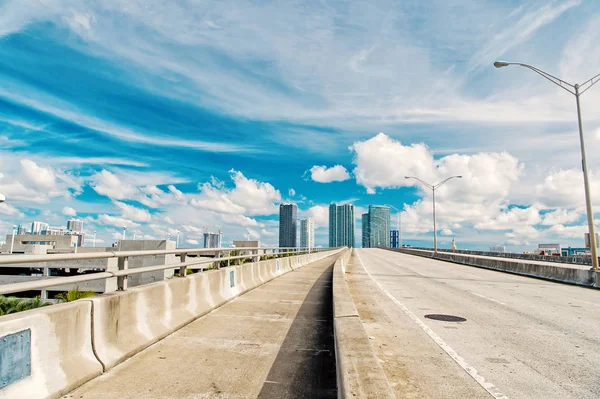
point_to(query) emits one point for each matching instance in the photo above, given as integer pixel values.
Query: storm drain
(445, 317)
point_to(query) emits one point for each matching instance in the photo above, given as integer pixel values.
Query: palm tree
(11, 304)
(73, 295)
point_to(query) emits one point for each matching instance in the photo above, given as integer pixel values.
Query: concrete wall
(560, 273)
(74, 342)
(61, 349)
(359, 373)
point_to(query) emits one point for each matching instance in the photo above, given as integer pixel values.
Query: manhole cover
(445, 317)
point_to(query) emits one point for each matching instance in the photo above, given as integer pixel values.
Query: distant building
(288, 225)
(498, 248)
(549, 249)
(394, 239)
(75, 225)
(246, 243)
(22, 230)
(38, 227)
(575, 251)
(212, 240)
(379, 226)
(53, 231)
(365, 230)
(341, 225)
(307, 233)
(453, 244)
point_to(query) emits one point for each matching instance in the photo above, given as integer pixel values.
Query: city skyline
(160, 141)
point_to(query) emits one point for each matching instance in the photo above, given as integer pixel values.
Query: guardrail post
(257, 257)
(182, 269)
(122, 280)
(228, 260)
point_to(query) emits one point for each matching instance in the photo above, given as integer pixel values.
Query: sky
(166, 116)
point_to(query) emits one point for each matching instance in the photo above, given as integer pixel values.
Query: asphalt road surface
(522, 338)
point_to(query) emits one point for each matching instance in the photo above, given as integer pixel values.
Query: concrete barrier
(359, 373)
(60, 350)
(129, 321)
(74, 342)
(575, 274)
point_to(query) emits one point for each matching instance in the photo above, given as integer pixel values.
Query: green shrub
(74, 295)
(11, 304)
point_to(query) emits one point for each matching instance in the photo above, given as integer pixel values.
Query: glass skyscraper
(341, 225)
(378, 226)
(365, 230)
(307, 233)
(287, 225)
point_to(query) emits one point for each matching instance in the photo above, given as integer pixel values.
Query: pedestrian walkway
(273, 342)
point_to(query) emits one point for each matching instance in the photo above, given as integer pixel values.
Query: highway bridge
(370, 323)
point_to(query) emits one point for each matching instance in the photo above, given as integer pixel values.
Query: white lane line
(488, 298)
(488, 386)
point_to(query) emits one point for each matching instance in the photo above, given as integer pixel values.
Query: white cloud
(446, 232)
(561, 216)
(569, 231)
(319, 214)
(323, 174)
(116, 221)
(291, 192)
(68, 211)
(107, 183)
(192, 242)
(133, 213)
(565, 189)
(513, 218)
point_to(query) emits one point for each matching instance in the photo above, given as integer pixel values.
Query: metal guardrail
(123, 260)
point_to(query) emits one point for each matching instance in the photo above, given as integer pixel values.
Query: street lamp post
(124, 229)
(12, 239)
(2, 198)
(577, 90)
(94, 244)
(434, 187)
(177, 240)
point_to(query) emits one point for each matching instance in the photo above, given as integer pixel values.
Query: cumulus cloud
(68, 211)
(446, 232)
(565, 189)
(291, 192)
(323, 174)
(116, 221)
(133, 213)
(192, 242)
(319, 214)
(108, 184)
(561, 216)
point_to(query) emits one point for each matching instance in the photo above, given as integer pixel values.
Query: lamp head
(459, 177)
(2, 198)
(501, 64)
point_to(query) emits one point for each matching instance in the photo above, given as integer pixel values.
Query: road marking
(488, 386)
(488, 298)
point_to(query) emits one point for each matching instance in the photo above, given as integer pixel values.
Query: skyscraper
(332, 225)
(365, 230)
(75, 225)
(38, 227)
(307, 233)
(394, 239)
(379, 226)
(341, 225)
(287, 225)
(212, 240)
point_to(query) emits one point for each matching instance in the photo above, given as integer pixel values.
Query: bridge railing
(188, 257)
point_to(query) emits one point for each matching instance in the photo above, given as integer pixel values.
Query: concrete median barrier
(559, 272)
(359, 373)
(55, 355)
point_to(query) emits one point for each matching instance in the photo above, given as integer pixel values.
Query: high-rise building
(212, 240)
(22, 230)
(288, 225)
(307, 233)
(394, 239)
(498, 248)
(341, 225)
(587, 240)
(365, 230)
(379, 226)
(332, 226)
(75, 225)
(38, 227)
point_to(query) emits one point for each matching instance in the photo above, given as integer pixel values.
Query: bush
(11, 304)
(74, 295)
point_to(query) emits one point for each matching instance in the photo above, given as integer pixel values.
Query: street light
(12, 239)
(434, 187)
(577, 90)
(2, 198)
(124, 229)
(94, 244)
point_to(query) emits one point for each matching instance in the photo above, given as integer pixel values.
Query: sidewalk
(273, 342)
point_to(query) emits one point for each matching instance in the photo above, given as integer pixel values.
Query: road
(522, 338)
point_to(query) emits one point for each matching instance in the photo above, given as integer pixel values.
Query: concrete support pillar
(122, 280)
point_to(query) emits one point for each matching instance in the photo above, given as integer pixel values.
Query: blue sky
(176, 116)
